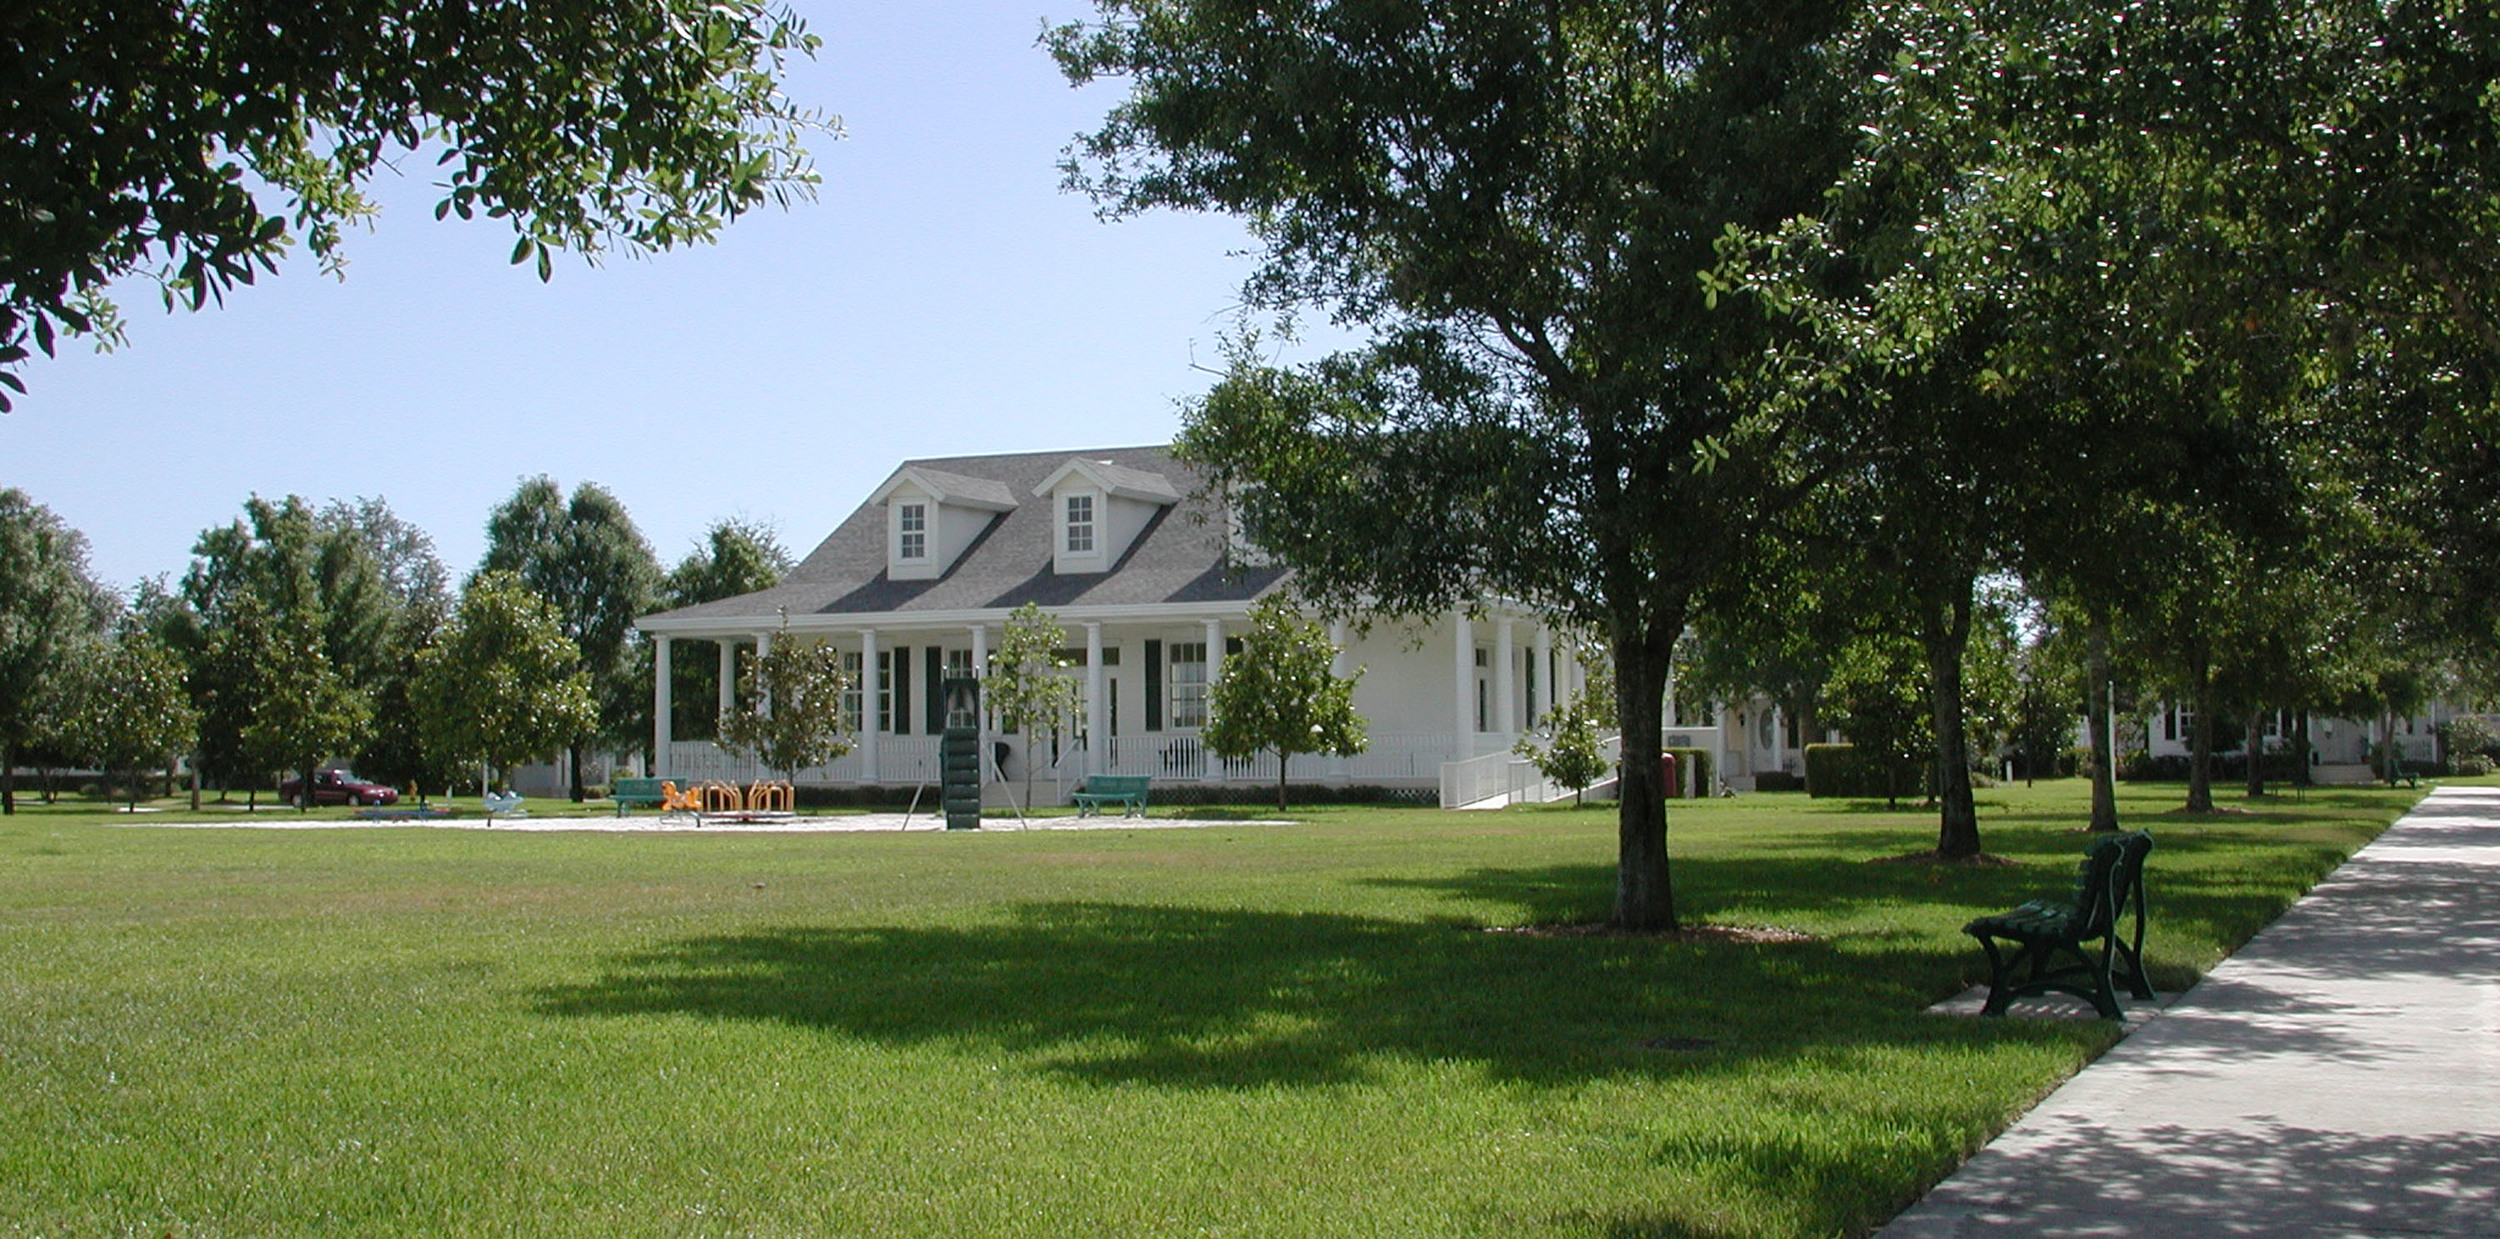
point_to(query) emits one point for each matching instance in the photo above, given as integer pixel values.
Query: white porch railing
(1509, 777)
(1174, 757)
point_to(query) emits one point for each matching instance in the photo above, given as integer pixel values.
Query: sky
(941, 296)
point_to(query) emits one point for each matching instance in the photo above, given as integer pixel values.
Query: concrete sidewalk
(2339, 1076)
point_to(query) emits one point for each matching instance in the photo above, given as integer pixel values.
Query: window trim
(1071, 528)
(911, 532)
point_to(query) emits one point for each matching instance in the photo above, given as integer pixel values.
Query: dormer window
(932, 517)
(912, 524)
(1080, 524)
(1101, 509)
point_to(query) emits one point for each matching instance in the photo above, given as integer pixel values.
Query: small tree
(504, 683)
(1568, 753)
(2470, 743)
(1278, 695)
(1878, 696)
(796, 719)
(131, 710)
(303, 708)
(1025, 684)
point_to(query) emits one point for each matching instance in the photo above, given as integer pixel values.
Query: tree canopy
(1282, 695)
(586, 558)
(1518, 200)
(798, 718)
(194, 141)
(49, 607)
(504, 684)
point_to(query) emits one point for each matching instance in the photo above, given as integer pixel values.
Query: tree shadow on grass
(1227, 998)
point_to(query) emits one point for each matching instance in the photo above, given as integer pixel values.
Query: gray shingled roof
(958, 486)
(1178, 558)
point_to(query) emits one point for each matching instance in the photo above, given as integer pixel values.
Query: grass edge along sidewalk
(1272, 1030)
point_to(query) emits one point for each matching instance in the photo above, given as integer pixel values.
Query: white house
(1120, 546)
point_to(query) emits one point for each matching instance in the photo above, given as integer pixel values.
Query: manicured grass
(1236, 1030)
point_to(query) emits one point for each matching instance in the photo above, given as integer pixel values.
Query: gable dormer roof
(952, 489)
(1118, 481)
(1178, 558)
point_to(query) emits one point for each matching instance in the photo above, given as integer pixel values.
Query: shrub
(2470, 735)
(1778, 781)
(1693, 773)
(2472, 765)
(1839, 770)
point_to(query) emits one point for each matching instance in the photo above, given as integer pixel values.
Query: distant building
(1122, 548)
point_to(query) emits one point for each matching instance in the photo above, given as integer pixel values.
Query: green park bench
(2050, 937)
(628, 793)
(1126, 790)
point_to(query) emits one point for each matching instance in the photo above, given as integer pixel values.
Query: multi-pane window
(1080, 524)
(912, 524)
(885, 690)
(1188, 683)
(850, 690)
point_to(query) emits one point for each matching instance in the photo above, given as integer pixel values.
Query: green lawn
(1240, 1030)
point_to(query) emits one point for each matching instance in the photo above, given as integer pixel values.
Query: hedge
(1692, 774)
(1836, 770)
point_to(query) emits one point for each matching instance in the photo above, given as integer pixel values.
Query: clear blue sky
(942, 296)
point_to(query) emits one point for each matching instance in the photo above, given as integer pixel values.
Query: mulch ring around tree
(1984, 860)
(1748, 934)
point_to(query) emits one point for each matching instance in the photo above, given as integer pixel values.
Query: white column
(1541, 699)
(1505, 678)
(1097, 723)
(981, 717)
(1670, 703)
(868, 705)
(1462, 688)
(1215, 666)
(1340, 665)
(728, 648)
(1779, 740)
(660, 730)
(763, 699)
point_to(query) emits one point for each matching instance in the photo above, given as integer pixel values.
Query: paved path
(715, 824)
(2339, 1076)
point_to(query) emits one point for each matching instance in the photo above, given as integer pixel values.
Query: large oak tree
(1518, 200)
(193, 141)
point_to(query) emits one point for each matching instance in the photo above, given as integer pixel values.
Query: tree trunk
(2387, 745)
(1644, 896)
(2300, 748)
(1946, 636)
(304, 798)
(8, 779)
(2098, 708)
(2255, 742)
(1281, 758)
(2200, 796)
(573, 758)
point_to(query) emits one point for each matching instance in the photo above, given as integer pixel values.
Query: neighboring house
(2339, 747)
(1123, 549)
